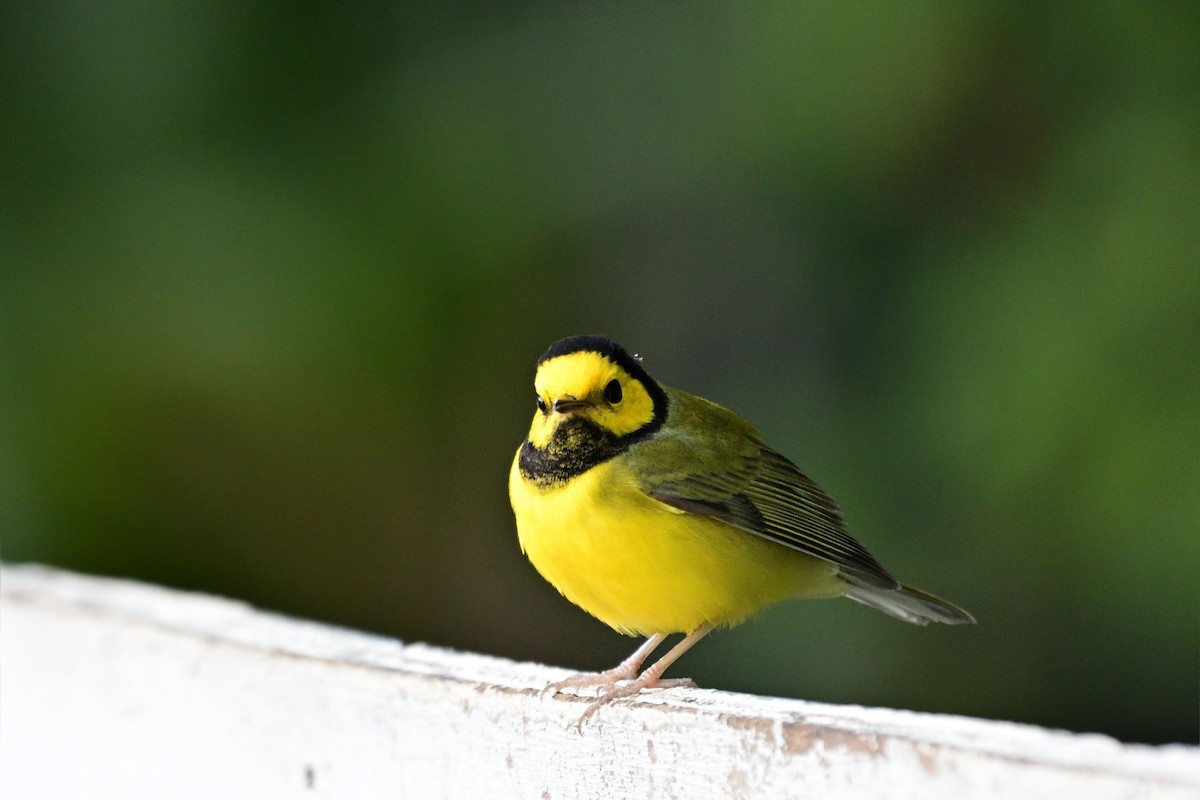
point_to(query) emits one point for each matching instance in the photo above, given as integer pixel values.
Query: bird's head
(591, 378)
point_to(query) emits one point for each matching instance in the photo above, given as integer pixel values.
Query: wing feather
(753, 488)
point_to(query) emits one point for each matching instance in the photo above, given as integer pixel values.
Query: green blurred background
(275, 276)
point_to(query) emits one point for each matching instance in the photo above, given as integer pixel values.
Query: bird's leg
(651, 677)
(624, 671)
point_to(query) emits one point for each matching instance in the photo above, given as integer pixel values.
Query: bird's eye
(612, 392)
(541, 404)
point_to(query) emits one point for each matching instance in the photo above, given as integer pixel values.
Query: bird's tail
(911, 605)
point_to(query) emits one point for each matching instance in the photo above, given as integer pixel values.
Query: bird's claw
(613, 692)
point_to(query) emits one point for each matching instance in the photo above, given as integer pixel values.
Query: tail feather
(911, 605)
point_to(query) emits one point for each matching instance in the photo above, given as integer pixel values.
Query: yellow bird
(660, 512)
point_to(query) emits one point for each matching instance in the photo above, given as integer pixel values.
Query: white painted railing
(111, 689)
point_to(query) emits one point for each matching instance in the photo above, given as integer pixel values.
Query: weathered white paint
(114, 689)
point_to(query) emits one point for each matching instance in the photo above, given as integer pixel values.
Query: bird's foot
(647, 680)
(650, 678)
(583, 680)
(624, 671)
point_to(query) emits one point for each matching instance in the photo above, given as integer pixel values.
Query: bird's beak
(567, 404)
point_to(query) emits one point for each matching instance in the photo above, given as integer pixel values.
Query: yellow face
(588, 385)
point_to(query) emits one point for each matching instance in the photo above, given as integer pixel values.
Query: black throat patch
(576, 446)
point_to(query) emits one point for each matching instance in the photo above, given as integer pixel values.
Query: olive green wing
(710, 462)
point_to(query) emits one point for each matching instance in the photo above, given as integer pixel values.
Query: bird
(660, 512)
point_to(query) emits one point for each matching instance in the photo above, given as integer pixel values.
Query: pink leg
(651, 677)
(624, 671)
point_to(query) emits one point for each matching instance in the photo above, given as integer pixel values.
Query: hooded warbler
(660, 512)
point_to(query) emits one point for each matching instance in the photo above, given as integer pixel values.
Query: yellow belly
(643, 567)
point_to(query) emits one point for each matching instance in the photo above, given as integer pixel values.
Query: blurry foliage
(274, 277)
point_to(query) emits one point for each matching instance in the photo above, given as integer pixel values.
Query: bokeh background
(275, 275)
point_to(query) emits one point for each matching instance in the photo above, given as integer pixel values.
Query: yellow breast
(643, 567)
